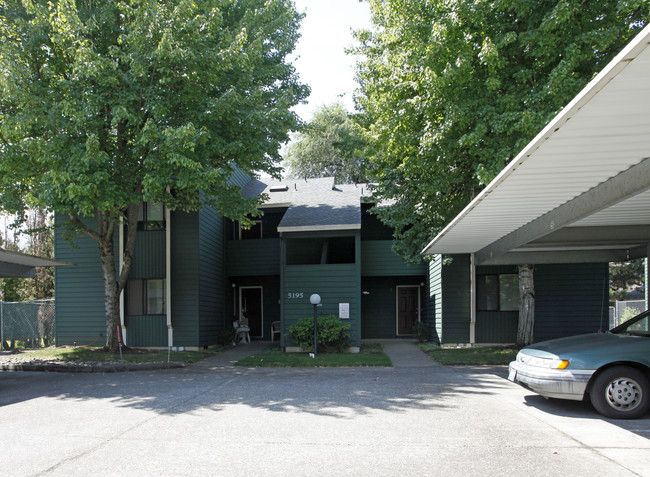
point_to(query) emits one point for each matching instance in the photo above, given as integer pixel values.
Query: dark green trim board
(149, 255)
(253, 257)
(147, 331)
(185, 278)
(571, 299)
(378, 259)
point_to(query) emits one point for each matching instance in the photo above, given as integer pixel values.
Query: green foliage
(276, 358)
(227, 335)
(451, 91)
(422, 331)
(129, 355)
(333, 333)
(331, 145)
(106, 104)
(470, 356)
(628, 314)
(624, 276)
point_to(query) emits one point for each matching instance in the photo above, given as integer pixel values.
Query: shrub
(227, 335)
(333, 333)
(422, 331)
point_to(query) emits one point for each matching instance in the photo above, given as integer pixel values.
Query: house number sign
(295, 295)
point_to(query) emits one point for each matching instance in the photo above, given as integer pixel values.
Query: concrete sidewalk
(406, 354)
(229, 357)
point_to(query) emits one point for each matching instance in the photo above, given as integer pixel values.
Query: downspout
(121, 265)
(472, 300)
(168, 277)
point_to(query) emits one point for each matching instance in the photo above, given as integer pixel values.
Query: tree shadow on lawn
(336, 392)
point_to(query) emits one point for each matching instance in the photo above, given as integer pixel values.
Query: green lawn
(370, 355)
(469, 356)
(129, 355)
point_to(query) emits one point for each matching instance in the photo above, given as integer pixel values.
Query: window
(497, 292)
(151, 216)
(145, 297)
(254, 232)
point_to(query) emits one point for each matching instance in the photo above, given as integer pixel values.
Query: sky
(320, 54)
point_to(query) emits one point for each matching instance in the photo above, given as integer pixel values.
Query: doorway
(408, 309)
(251, 308)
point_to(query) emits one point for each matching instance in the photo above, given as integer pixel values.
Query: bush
(333, 334)
(422, 331)
(227, 335)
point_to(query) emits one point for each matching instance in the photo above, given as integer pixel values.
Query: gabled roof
(312, 204)
(579, 191)
(20, 265)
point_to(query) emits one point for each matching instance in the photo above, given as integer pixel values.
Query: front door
(408, 309)
(250, 306)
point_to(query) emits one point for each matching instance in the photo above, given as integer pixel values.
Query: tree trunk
(113, 284)
(526, 305)
(111, 294)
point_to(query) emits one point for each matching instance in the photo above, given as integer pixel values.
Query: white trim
(472, 298)
(241, 307)
(317, 228)
(120, 249)
(397, 333)
(168, 278)
(274, 205)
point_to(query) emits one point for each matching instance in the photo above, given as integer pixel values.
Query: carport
(20, 265)
(580, 191)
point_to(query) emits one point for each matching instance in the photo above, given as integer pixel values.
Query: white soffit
(602, 132)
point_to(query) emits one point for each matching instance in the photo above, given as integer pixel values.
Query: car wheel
(621, 392)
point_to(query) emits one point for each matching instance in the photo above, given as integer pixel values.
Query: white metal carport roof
(580, 191)
(20, 265)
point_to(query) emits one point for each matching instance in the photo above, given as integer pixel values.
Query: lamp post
(315, 300)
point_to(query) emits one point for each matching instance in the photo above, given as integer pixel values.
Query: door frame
(419, 305)
(241, 307)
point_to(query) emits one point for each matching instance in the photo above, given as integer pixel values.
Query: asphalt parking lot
(344, 421)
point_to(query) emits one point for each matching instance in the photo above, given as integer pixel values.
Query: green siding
(570, 299)
(79, 290)
(185, 278)
(253, 257)
(456, 300)
(334, 283)
(378, 305)
(378, 259)
(149, 256)
(146, 331)
(212, 283)
(496, 326)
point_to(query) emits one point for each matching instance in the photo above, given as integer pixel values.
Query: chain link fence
(27, 324)
(624, 310)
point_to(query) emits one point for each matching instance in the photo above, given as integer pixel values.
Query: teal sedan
(612, 368)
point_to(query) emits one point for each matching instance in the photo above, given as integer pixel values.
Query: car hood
(593, 350)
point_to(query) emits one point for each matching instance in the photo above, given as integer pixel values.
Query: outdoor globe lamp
(315, 300)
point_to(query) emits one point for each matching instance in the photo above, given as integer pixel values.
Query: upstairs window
(497, 292)
(151, 216)
(145, 297)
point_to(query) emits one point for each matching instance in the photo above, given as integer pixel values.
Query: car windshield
(637, 326)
